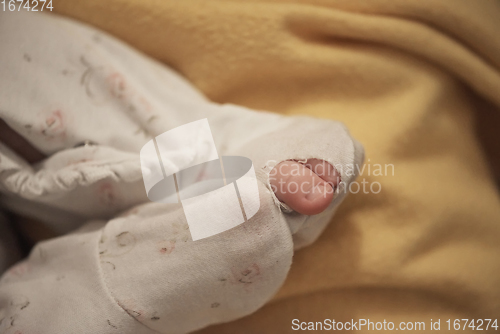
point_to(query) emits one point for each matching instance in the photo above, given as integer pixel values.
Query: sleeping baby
(77, 106)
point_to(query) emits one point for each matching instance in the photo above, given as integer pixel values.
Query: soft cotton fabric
(408, 78)
(140, 271)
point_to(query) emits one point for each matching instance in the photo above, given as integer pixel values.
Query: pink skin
(305, 187)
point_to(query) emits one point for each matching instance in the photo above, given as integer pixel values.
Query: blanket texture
(408, 78)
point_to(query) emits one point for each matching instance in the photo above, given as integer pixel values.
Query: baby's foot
(308, 188)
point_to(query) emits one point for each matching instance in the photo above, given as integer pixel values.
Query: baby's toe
(302, 189)
(325, 171)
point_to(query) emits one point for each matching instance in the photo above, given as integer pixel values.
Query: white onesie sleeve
(63, 83)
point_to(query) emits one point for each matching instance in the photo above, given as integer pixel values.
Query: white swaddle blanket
(63, 83)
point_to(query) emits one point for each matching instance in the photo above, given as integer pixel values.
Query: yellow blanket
(408, 78)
